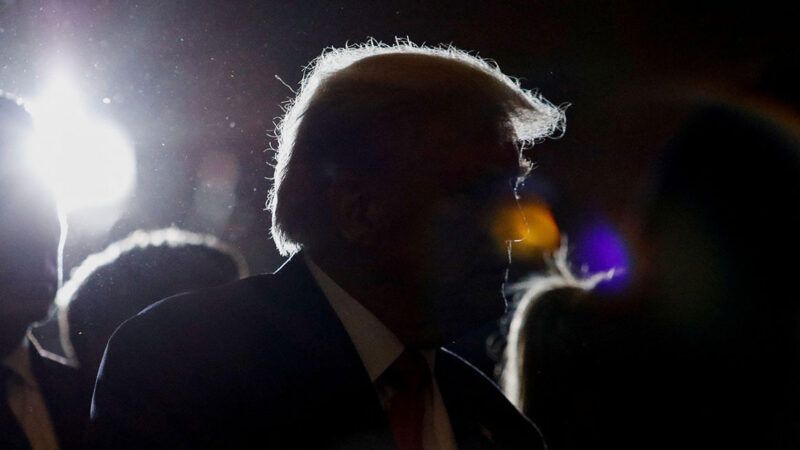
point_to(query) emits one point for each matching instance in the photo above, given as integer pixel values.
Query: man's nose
(538, 228)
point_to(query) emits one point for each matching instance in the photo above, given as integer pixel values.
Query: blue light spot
(601, 248)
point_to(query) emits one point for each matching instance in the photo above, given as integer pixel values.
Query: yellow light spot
(531, 226)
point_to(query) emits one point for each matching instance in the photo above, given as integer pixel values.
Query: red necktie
(407, 379)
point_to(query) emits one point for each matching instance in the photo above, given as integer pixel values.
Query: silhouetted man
(36, 400)
(395, 174)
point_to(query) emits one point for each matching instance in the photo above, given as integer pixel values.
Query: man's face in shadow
(29, 235)
(442, 243)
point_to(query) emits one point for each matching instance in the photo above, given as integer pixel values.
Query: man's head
(29, 232)
(398, 162)
(115, 284)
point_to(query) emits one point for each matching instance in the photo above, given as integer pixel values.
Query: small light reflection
(215, 191)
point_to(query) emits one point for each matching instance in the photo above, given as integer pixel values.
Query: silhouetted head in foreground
(111, 286)
(29, 232)
(395, 171)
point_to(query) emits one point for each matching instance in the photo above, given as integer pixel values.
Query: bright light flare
(533, 222)
(86, 161)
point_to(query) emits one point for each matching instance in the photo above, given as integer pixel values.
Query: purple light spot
(600, 248)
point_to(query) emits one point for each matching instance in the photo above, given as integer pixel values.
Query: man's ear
(355, 211)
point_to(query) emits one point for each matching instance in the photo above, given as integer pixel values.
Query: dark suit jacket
(264, 362)
(66, 398)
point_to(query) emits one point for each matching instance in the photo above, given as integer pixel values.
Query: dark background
(195, 85)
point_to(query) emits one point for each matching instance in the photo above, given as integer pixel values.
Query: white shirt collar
(376, 344)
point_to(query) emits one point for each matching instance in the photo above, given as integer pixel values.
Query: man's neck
(380, 294)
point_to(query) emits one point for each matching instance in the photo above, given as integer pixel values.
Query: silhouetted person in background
(702, 351)
(550, 370)
(720, 236)
(131, 274)
(37, 402)
(721, 230)
(394, 164)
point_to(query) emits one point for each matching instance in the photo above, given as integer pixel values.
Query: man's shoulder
(236, 301)
(240, 356)
(246, 293)
(206, 308)
(264, 314)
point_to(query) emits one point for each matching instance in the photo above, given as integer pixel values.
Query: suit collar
(377, 346)
(466, 415)
(336, 384)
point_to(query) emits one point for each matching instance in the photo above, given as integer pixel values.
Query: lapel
(334, 389)
(66, 400)
(482, 417)
(466, 415)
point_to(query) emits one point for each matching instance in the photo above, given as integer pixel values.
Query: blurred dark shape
(721, 237)
(115, 284)
(38, 399)
(702, 352)
(779, 80)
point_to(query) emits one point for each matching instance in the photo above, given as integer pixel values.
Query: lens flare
(85, 160)
(533, 227)
(601, 247)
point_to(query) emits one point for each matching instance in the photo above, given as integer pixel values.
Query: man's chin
(460, 313)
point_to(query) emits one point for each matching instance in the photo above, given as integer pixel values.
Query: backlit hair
(116, 283)
(558, 282)
(354, 100)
